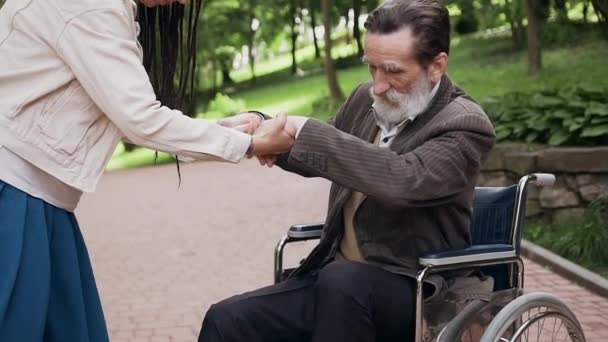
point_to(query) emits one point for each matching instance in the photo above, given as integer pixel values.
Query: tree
(356, 28)
(234, 24)
(585, 11)
(313, 8)
(294, 15)
(467, 22)
(225, 55)
(514, 13)
(253, 22)
(537, 12)
(335, 92)
(561, 10)
(601, 8)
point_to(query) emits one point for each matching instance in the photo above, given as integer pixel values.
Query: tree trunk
(514, 17)
(313, 24)
(562, 12)
(517, 33)
(214, 75)
(534, 39)
(294, 37)
(227, 80)
(601, 8)
(330, 70)
(251, 39)
(585, 11)
(251, 58)
(347, 19)
(521, 32)
(356, 28)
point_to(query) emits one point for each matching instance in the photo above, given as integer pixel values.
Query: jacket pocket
(66, 121)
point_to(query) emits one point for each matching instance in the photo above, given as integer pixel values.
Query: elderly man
(404, 153)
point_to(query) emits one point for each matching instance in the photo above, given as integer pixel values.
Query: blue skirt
(47, 288)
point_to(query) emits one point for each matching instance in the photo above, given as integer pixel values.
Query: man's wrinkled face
(154, 3)
(391, 61)
(402, 86)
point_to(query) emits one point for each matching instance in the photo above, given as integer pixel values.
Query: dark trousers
(343, 301)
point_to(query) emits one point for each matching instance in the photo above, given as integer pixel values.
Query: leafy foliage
(222, 106)
(582, 242)
(575, 115)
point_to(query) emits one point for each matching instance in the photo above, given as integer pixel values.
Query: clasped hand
(269, 137)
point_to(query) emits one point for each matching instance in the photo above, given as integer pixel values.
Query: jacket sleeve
(335, 121)
(101, 49)
(434, 173)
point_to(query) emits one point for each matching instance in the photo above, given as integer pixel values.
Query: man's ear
(438, 67)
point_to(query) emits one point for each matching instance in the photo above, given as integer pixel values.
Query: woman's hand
(244, 122)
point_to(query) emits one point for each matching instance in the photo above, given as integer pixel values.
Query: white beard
(394, 107)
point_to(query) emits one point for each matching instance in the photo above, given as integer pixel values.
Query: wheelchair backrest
(493, 222)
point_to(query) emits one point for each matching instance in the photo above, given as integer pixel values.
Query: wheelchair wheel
(463, 328)
(535, 317)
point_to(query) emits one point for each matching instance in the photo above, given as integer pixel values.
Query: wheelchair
(508, 315)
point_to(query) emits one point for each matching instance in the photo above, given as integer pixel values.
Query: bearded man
(403, 153)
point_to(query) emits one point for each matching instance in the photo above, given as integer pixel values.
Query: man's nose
(381, 87)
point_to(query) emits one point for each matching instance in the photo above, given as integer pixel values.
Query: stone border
(565, 268)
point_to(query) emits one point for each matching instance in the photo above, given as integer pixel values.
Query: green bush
(467, 24)
(587, 243)
(348, 62)
(574, 115)
(571, 33)
(222, 106)
(582, 242)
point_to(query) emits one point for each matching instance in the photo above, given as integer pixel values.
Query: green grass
(137, 158)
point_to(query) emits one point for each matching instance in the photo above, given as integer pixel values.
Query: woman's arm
(100, 47)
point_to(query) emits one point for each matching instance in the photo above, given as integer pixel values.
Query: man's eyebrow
(391, 66)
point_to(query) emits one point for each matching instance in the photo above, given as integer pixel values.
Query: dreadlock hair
(168, 38)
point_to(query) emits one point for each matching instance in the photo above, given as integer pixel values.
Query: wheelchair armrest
(305, 231)
(476, 253)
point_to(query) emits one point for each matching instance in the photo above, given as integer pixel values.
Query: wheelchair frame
(479, 256)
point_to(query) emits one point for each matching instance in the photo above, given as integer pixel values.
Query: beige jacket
(72, 85)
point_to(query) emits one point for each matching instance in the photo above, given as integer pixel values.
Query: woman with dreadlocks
(72, 84)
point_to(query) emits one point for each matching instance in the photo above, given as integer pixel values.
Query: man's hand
(292, 127)
(244, 122)
(272, 137)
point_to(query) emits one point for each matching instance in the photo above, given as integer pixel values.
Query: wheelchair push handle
(543, 179)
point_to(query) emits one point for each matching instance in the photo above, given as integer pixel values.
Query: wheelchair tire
(511, 323)
(459, 326)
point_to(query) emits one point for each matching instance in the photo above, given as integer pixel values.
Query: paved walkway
(162, 255)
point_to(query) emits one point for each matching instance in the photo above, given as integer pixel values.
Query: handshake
(269, 138)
